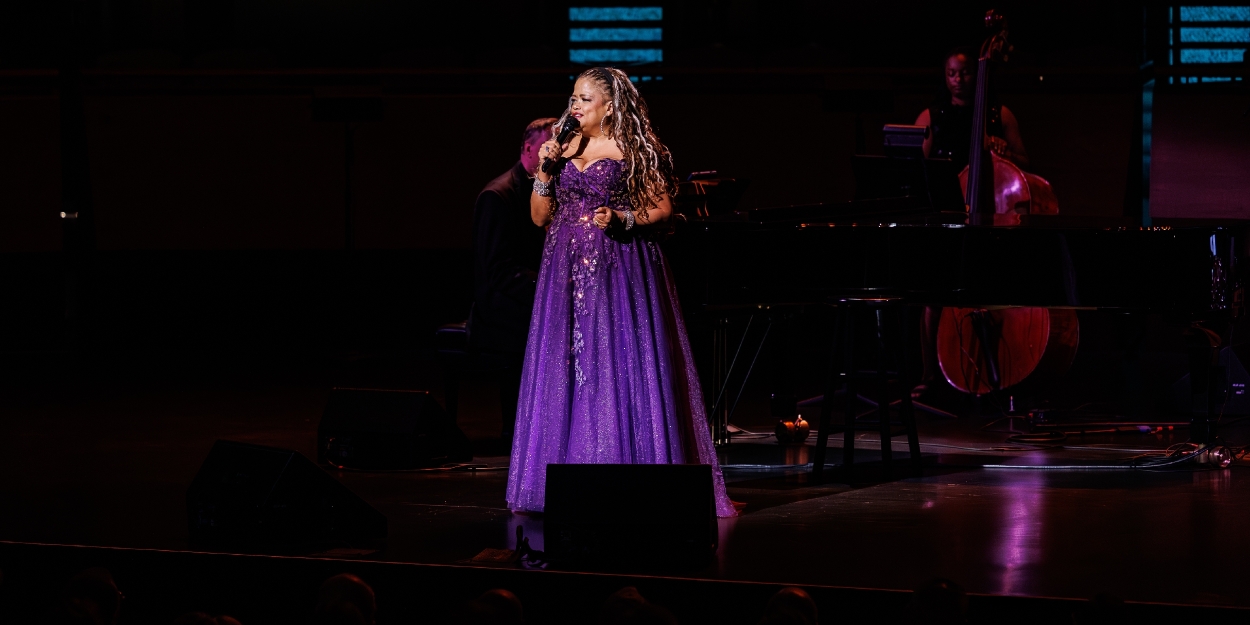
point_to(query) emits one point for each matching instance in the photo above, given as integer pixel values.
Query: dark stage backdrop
(218, 200)
(204, 172)
(1200, 159)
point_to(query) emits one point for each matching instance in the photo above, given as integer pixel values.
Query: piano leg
(1206, 388)
(826, 409)
(883, 397)
(852, 392)
(720, 363)
(1208, 380)
(906, 411)
(722, 409)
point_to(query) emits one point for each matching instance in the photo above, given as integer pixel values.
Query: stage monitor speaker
(388, 429)
(633, 515)
(254, 495)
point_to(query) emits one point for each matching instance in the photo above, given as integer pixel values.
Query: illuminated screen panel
(1210, 38)
(629, 37)
(1194, 155)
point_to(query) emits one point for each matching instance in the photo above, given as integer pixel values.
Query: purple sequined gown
(608, 374)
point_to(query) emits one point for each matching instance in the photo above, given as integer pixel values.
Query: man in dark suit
(507, 249)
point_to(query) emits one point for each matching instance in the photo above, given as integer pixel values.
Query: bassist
(950, 117)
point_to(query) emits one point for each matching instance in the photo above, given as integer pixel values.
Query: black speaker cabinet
(387, 429)
(633, 515)
(266, 496)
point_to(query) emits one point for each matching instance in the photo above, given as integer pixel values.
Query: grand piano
(806, 254)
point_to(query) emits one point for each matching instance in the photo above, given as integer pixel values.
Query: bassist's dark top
(952, 128)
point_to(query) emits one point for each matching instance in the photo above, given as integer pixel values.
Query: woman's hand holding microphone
(550, 151)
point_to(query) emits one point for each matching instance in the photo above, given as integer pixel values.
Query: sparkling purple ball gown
(608, 375)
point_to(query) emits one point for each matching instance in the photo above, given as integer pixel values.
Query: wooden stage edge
(160, 584)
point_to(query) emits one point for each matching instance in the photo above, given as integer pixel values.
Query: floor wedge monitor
(633, 515)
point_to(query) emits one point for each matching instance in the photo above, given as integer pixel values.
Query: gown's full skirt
(608, 374)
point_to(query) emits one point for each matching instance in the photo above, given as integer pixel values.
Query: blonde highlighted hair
(650, 165)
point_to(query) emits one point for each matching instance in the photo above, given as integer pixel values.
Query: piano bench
(844, 372)
(458, 361)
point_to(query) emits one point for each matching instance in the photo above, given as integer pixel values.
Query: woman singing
(608, 375)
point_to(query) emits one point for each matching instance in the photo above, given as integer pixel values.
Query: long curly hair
(650, 163)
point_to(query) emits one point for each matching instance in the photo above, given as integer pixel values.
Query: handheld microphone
(551, 165)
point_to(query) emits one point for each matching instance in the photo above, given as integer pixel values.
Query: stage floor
(101, 454)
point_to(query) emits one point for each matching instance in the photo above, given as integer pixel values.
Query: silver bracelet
(629, 219)
(543, 189)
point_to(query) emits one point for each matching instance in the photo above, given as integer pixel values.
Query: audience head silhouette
(628, 607)
(619, 603)
(90, 597)
(496, 607)
(791, 605)
(345, 599)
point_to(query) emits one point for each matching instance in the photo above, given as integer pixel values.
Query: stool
(843, 372)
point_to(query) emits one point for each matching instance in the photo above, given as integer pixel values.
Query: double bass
(983, 350)
(996, 190)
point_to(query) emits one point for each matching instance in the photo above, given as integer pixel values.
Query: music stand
(905, 172)
(904, 141)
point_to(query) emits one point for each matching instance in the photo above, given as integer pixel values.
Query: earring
(601, 126)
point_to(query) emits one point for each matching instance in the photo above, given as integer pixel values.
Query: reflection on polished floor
(106, 460)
